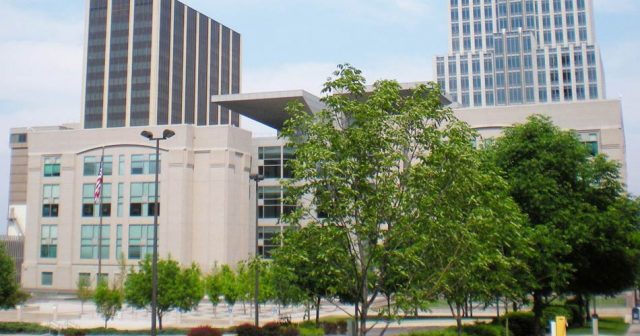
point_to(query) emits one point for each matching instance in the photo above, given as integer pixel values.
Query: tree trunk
(159, 321)
(105, 323)
(317, 311)
(357, 319)
(498, 307)
(588, 308)
(537, 312)
(458, 320)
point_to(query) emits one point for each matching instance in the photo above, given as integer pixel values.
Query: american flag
(98, 189)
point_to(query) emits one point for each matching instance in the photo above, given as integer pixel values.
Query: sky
(286, 44)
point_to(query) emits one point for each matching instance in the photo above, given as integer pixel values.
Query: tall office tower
(508, 52)
(156, 62)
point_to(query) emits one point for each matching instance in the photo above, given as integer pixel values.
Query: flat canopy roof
(268, 108)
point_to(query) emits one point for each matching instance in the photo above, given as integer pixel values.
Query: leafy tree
(108, 300)
(179, 289)
(471, 232)
(354, 160)
(83, 291)
(561, 189)
(10, 293)
(213, 287)
(229, 285)
(310, 265)
(607, 260)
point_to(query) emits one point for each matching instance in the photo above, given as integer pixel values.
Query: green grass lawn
(606, 326)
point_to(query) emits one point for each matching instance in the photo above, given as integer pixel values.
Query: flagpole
(101, 177)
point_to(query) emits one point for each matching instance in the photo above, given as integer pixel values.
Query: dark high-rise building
(156, 62)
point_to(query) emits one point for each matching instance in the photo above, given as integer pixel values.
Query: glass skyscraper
(509, 52)
(156, 62)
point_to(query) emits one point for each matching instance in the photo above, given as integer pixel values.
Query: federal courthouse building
(158, 64)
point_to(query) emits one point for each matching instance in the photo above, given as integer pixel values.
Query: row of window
(141, 164)
(141, 200)
(140, 241)
(273, 161)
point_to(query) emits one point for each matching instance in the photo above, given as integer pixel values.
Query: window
(568, 93)
(118, 241)
(489, 98)
(89, 235)
(50, 200)
(142, 199)
(143, 164)
(120, 199)
(488, 82)
(555, 94)
(477, 99)
(542, 95)
(121, 165)
(90, 208)
(92, 165)
(271, 200)
(593, 91)
(266, 239)
(271, 164)
(542, 78)
(46, 278)
(49, 241)
(18, 138)
(84, 277)
(592, 75)
(477, 83)
(591, 141)
(140, 241)
(580, 92)
(52, 166)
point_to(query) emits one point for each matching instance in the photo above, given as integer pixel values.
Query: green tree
(229, 285)
(213, 287)
(353, 162)
(83, 291)
(561, 189)
(471, 233)
(309, 265)
(607, 260)
(178, 288)
(10, 293)
(108, 300)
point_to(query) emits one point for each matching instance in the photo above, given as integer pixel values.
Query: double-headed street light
(256, 293)
(166, 134)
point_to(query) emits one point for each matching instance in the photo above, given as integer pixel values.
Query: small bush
(330, 328)
(293, 331)
(74, 332)
(309, 331)
(550, 313)
(22, 327)
(520, 323)
(204, 331)
(271, 329)
(248, 330)
(482, 329)
(445, 332)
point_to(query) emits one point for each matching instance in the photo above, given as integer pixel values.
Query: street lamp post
(256, 292)
(166, 134)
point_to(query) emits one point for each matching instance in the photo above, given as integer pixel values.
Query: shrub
(271, 329)
(22, 327)
(550, 313)
(520, 323)
(445, 332)
(204, 331)
(482, 329)
(308, 331)
(74, 332)
(293, 331)
(248, 330)
(329, 327)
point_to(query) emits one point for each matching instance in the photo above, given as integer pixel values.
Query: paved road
(634, 330)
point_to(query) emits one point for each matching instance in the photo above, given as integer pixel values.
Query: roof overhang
(268, 108)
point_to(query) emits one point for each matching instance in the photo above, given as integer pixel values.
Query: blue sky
(287, 44)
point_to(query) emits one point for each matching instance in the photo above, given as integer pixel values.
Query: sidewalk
(634, 330)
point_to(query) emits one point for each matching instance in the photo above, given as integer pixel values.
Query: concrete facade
(204, 201)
